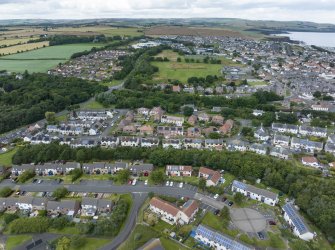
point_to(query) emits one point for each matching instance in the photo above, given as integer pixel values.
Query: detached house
(255, 193)
(172, 214)
(212, 177)
(173, 170)
(310, 161)
(218, 120)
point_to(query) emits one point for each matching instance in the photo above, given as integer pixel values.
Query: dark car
(272, 223)
(230, 203)
(224, 199)
(35, 180)
(217, 211)
(260, 235)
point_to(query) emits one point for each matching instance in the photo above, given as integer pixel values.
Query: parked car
(167, 183)
(134, 182)
(224, 199)
(272, 223)
(171, 183)
(146, 182)
(261, 235)
(217, 211)
(39, 181)
(130, 182)
(230, 203)
(181, 185)
(35, 180)
(216, 196)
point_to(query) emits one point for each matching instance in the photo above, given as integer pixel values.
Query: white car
(167, 183)
(181, 185)
(134, 182)
(171, 183)
(216, 196)
(146, 182)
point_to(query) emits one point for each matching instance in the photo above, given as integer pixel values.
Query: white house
(192, 143)
(174, 143)
(130, 141)
(149, 142)
(255, 193)
(280, 152)
(281, 140)
(313, 131)
(109, 141)
(176, 120)
(174, 170)
(172, 214)
(310, 161)
(296, 222)
(211, 176)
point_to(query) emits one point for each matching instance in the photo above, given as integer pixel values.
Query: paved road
(138, 200)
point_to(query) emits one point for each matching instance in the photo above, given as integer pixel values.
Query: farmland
(10, 42)
(23, 48)
(190, 31)
(42, 59)
(182, 71)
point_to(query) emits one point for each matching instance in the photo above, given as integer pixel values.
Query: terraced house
(255, 193)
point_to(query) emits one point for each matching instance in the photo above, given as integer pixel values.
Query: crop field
(96, 30)
(182, 71)
(23, 48)
(190, 31)
(10, 42)
(42, 59)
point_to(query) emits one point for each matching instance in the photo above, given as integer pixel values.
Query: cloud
(307, 10)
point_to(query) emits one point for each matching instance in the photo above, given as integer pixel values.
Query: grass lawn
(42, 59)
(93, 105)
(112, 83)
(215, 222)
(14, 241)
(143, 234)
(6, 158)
(170, 244)
(182, 71)
(61, 118)
(66, 230)
(260, 83)
(93, 243)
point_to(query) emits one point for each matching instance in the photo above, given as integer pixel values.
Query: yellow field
(23, 47)
(15, 41)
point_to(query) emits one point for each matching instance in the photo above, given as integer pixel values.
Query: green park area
(6, 158)
(41, 60)
(182, 70)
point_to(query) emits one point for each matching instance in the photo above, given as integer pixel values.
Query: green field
(6, 158)
(42, 59)
(14, 241)
(182, 71)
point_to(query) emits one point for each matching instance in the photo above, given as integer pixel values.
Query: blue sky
(304, 10)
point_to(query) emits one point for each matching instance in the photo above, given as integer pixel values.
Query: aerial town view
(176, 125)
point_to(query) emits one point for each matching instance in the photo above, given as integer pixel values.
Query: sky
(322, 11)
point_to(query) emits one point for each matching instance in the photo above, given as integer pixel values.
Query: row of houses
(303, 130)
(87, 207)
(255, 193)
(50, 169)
(297, 143)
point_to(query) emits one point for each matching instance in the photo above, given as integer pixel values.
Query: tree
(5, 191)
(63, 243)
(178, 59)
(26, 175)
(188, 111)
(225, 214)
(60, 192)
(202, 184)
(123, 175)
(238, 198)
(157, 177)
(50, 117)
(76, 174)
(317, 94)
(77, 241)
(246, 131)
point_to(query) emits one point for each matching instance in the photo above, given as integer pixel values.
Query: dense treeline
(142, 68)
(171, 102)
(314, 195)
(25, 101)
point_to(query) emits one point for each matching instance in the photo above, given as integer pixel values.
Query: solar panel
(239, 185)
(295, 218)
